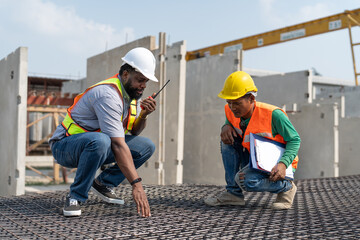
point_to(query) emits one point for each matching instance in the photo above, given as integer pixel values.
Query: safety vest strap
(71, 127)
(263, 134)
(132, 115)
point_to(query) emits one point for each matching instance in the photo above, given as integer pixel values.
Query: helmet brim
(147, 75)
(150, 76)
(227, 97)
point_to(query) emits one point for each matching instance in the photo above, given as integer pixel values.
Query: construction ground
(187, 164)
(326, 208)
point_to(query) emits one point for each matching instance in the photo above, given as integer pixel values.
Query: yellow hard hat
(237, 85)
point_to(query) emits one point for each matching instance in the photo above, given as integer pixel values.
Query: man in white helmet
(93, 133)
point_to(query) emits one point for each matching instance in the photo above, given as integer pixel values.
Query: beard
(131, 91)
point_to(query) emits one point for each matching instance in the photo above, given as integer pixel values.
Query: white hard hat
(143, 61)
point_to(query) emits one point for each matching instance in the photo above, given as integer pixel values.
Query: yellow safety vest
(72, 127)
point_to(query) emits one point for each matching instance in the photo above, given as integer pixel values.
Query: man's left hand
(278, 172)
(148, 105)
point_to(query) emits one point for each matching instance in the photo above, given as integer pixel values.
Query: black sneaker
(72, 207)
(106, 193)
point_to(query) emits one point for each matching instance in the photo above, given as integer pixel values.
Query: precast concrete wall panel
(284, 89)
(204, 117)
(349, 139)
(352, 103)
(175, 112)
(13, 97)
(327, 91)
(174, 101)
(108, 63)
(212, 171)
(315, 125)
(336, 100)
(351, 94)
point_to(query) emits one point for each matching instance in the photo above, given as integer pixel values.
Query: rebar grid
(326, 208)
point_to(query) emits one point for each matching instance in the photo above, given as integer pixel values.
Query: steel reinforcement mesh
(326, 208)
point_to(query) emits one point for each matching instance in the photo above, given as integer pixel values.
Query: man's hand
(148, 105)
(141, 201)
(227, 134)
(126, 164)
(278, 172)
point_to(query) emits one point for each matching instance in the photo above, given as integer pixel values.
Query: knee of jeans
(150, 145)
(252, 184)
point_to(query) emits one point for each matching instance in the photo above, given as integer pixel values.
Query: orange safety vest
(72, 127)
(260, 124)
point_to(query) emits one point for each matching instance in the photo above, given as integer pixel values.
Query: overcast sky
(62, 34)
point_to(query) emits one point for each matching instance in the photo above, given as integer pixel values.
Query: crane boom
(306, 29)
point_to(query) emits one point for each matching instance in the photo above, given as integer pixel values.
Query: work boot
(284, 200)
(225, 198)
(72, 207)
(106, 193)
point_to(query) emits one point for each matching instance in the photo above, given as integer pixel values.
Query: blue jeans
(235, 158)
(88, 151)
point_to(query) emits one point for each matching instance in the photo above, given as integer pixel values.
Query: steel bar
(326, 208)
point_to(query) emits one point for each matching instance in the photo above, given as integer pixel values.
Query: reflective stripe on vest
(72, 127)
(132, 115)
(260, 123)
(265, 134)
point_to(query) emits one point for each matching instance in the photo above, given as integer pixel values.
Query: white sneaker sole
(71, 213)
(106, 199)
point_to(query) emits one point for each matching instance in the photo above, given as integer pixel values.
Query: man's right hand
(227, 134)
(140, 199)
(126, 164)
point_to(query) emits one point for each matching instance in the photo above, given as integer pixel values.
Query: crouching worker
(244, 116)
(93, 133)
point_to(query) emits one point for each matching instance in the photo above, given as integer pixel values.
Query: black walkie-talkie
(161, 89)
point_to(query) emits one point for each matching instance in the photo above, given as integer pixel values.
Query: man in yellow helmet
(244, 115)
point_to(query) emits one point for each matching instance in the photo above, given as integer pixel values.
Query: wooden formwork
(55, 113)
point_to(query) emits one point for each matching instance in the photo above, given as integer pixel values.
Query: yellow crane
(347, 19)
